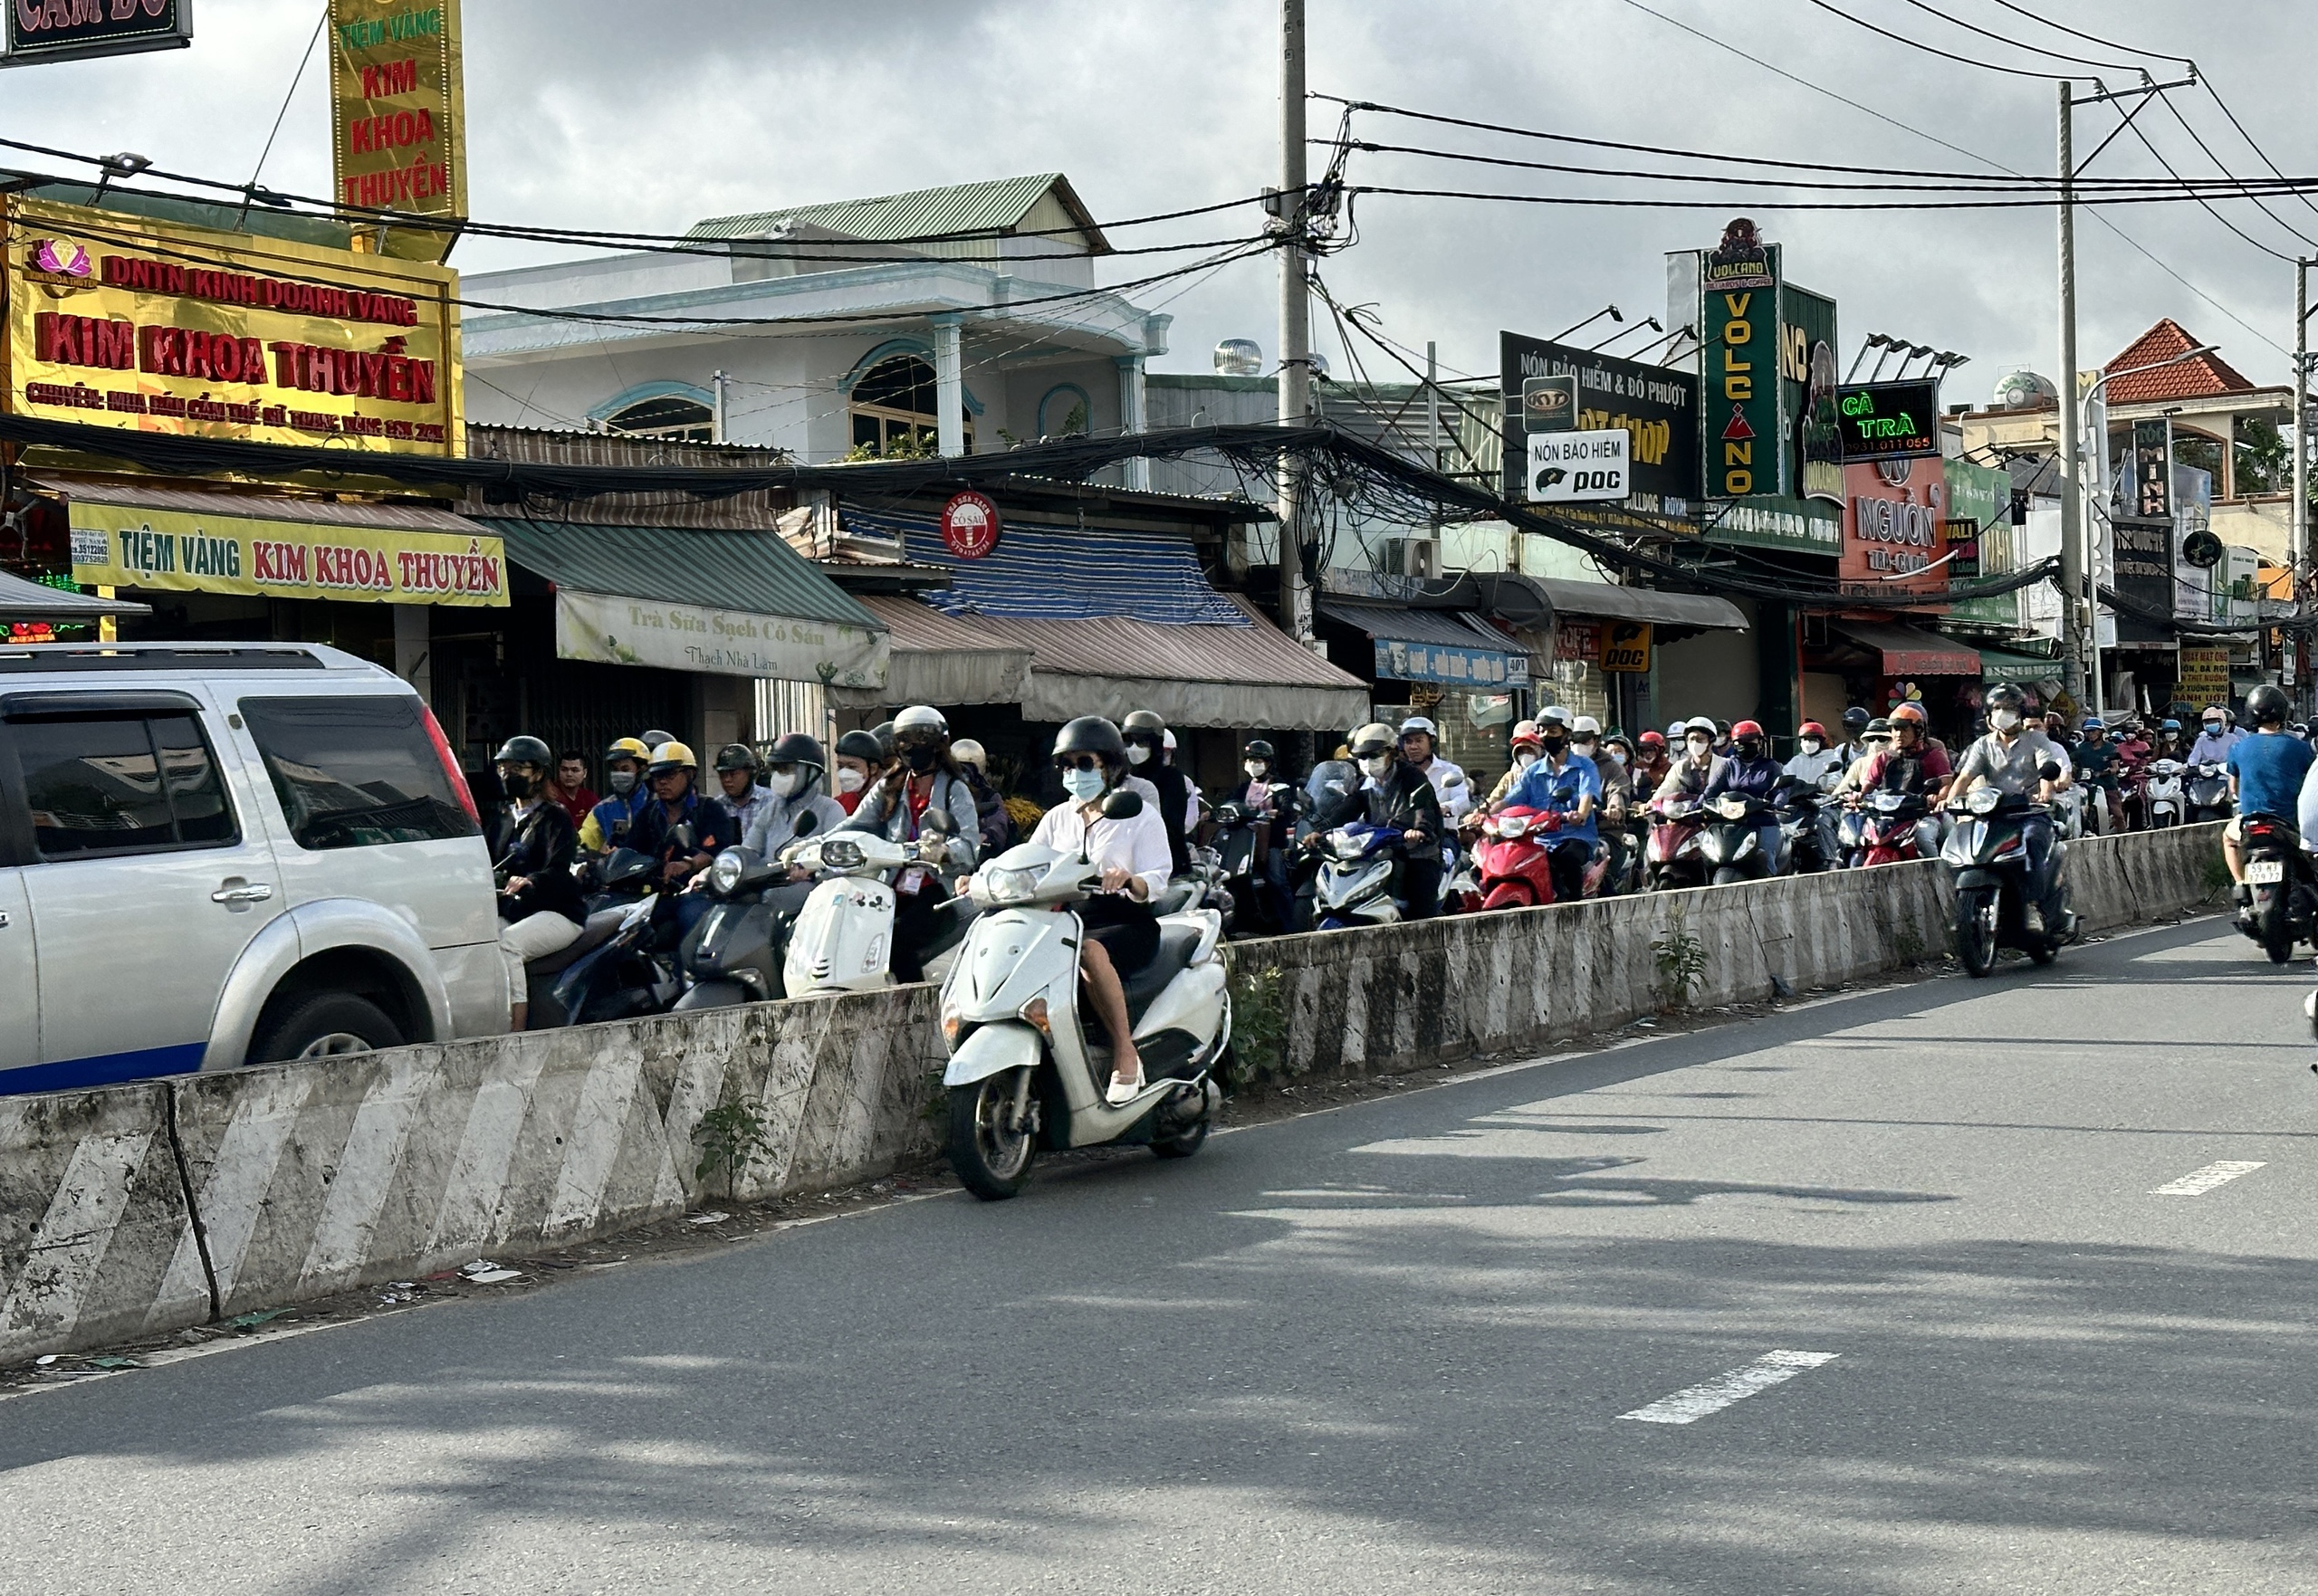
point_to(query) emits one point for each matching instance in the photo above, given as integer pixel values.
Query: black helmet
(2266, 703)
(2004, 695)
(526, 751)
(1854, 720)
(1091, 734)
(1257, 748)
(884, 733)
(736, 756)
(797, 748)
(854, 745)
(1145, 721)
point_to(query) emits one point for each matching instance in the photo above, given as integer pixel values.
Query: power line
(2024, 44)
(2207, 204)
(2088, 38)
(289, 94)
(2207, 83)
(2083, 201)
(2218, 163)
(2017, 71)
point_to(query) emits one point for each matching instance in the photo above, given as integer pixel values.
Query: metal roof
(139, 495)
(754, 572)
(997, 207)
(20, 600)
(1445, 628)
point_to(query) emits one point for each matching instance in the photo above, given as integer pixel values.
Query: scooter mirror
(938, 820)
(2049, 771)
(683, 836)
(1123, 805)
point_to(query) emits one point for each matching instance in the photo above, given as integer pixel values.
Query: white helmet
(921, 717)
(967, 752)
(1419, 723)
(1585, 725)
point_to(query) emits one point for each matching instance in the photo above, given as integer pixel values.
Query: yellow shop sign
(130, 546)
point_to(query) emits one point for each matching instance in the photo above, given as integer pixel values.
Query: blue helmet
(2093, 723)
(2170, 725)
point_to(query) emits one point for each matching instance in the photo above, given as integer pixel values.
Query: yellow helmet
(628, 748)
(671, 756)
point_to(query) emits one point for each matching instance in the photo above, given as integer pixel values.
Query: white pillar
(414, 647)
(949, 386)
(1131, 419)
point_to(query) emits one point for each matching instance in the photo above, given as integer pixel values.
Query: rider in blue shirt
(2268, 772)
(1566, 784)
(1751, 772)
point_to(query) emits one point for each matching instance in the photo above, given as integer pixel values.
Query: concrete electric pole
(2080, 644)
(1295, 316)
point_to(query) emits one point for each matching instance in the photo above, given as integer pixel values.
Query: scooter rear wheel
(993, 1161)
(2277, 932)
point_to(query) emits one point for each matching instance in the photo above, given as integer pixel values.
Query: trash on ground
(44, 1362)
(252, 1320)
(480, 1265)
(711, 1217)
(114, 1363)
(495, 1276)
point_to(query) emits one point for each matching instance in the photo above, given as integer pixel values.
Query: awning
(1248, 675)
(1996, 665)
(940, 659)
(726, 603)
(1438, 645)
(1911, 650)
(1696, 611)
(31, 601)
(272, 547)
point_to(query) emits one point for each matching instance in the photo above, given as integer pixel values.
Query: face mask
(1698, 746)
(2213, 728)
(1085, 786)
(518, 786)
(1137, 753)
(623, 782)
(1812, 745)
(1554, 745)
(1586, 747)
(1525, 758)
(920, 757)
(848, 779)
(1255, 769)
(783, 784)
(2005, 720)
(1377, 765)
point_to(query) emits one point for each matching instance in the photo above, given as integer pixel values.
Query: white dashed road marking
(2198, 1183)
(1689, 1406)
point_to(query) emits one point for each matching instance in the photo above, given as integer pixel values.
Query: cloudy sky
(648, 117)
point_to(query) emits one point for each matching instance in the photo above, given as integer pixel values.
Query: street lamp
(1612, 312)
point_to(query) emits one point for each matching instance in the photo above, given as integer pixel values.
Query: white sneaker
(2033, 918)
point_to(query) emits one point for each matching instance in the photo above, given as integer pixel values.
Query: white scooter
(1021, 1072)
(843, 941)
(2163, 795)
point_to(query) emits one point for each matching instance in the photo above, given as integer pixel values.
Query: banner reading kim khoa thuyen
(397, 120)
(189, 551)
(115, 320)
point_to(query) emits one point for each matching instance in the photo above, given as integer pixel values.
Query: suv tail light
(458, 778)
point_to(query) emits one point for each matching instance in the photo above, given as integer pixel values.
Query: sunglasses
(1078, 762)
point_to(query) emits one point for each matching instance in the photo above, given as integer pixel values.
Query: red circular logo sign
(969, 525)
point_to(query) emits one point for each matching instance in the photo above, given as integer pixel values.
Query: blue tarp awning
(1054, 574)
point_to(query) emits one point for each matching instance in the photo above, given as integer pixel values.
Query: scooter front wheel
(988, 1145)
(1976, 931)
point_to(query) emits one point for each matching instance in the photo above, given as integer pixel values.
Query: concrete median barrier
(163, 1204)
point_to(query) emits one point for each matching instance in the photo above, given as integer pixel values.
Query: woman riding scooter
(923, 777)
(1122, 932)
(539, 908)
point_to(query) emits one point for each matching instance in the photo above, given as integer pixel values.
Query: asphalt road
(1382, 1348)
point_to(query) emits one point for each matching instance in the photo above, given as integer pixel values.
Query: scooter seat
(1177, 943)
(601, 927)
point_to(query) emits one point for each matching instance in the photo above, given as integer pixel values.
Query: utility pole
(2297, 548)
(2077, 628)
(717, 418)
(1295, 316)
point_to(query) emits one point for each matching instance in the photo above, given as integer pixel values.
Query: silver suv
(219, 855)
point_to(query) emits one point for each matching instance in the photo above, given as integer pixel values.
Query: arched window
(1064, 413)
(894, 411)
(670, 415)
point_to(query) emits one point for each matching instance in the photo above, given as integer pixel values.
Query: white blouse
(1136, 845)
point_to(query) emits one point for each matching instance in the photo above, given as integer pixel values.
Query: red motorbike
(1515, 864)
(1890, 829)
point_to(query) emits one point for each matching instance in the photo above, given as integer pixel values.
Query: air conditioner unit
(1411, 557)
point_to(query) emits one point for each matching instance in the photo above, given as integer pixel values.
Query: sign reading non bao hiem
(129, 546)
(398, 116)
(114, 320)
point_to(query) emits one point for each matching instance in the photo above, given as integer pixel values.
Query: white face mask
(1585, 747)
(1812, 745)
(1525, 758)
(1137, 753)
(2005, 720)
(1085, 786)
(1698, 747)
(783, 784)
(1378, 765)
(1255, 769)
(848, 779)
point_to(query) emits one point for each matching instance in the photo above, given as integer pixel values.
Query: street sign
(1889, 420)
(969, 525)
(1578, 467)
(1625, 646)
(1549, 403)
(40, 32)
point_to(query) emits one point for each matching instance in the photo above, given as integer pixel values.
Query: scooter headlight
(1008, 886)
(840, 853)
(1347, 846)
(1512, 826)
(724, 872)
(1983, 800)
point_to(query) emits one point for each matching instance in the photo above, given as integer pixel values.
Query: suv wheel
(325, 1024)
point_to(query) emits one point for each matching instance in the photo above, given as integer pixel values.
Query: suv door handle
(248, 892)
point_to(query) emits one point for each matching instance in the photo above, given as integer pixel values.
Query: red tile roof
(2197, 377)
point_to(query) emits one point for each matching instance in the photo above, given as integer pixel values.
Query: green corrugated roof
(262, 220)
(752, 572)
(963, 207)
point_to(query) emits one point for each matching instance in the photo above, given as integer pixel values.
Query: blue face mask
(1085, 786)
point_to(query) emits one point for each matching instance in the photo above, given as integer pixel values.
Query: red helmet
(1813, 728)
(1654, 740)
(1747, 729)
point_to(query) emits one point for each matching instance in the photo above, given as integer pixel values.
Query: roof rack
(42, 657)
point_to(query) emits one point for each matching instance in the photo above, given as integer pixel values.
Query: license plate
(2265, 872)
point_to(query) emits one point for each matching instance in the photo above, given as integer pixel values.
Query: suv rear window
(120, 784)
(355, 772)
